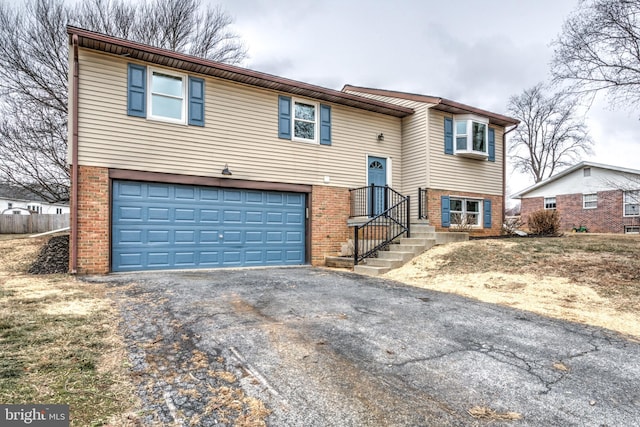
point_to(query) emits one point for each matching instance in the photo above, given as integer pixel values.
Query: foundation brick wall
(93, 220)
(435, 214)
(606, 218)
(329, 215)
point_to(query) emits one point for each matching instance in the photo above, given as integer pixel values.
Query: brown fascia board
(126, 48)
(440, 104)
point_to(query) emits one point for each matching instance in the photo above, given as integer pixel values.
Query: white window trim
(480, 223)
(544, 203)
(470, 118)
(316, 130)
(624, 204)
(626, 227)
(584, 201)
(150, 93)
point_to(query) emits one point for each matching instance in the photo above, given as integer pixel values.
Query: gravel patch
(53, 257)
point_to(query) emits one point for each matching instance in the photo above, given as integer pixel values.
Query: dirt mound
(53, 257)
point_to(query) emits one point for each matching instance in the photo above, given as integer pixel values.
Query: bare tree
(599, 50)
(551, 134)
(34, 71)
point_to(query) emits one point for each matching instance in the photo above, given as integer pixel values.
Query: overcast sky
(477, 53)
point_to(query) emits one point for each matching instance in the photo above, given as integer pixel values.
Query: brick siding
(606, 218)
(435, 213)
(329, 215)
(93, 220)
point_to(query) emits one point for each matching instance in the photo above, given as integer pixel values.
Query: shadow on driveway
(320, 347)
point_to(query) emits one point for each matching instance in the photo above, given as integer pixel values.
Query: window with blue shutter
(445, 211)
(137, 90)
(196, 101)
(325, 124)
(487, 214)
(448, 135)
(284, 117)
(492, 145)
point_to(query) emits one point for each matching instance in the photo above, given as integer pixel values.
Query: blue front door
(377, 175)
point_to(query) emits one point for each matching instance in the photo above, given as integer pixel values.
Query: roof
(13, 192)
(574, 168)
(126, 48)
(441, 104)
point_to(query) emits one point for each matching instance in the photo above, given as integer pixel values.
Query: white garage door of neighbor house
(172, 226)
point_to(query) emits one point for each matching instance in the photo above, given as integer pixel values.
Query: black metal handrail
(372, 200)
(378, 233)
(423, 213)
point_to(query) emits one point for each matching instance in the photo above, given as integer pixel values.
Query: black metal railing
(378, 233)
(372, 200)
(422, 204)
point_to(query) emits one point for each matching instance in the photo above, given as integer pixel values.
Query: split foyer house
(602, 198)
(181, 162)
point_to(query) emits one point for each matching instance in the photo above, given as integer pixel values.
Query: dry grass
(59, 343)
(484, 413)
(592, 279)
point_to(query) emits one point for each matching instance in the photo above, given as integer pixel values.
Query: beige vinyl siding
(450, 172)
(240, 130)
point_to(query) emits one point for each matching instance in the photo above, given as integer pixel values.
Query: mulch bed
(53, 257)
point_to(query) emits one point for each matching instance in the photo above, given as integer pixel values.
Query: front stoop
(423, 237)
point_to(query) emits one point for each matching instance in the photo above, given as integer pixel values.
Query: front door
(377, 175)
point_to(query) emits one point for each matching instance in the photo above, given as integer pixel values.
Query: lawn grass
(59, 343)
(608, 263)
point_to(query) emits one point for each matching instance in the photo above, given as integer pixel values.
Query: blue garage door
(169, 226)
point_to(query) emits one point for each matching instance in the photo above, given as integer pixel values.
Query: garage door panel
(164, 226)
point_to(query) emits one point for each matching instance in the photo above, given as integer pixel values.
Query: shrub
(545, 222)
(511, 225)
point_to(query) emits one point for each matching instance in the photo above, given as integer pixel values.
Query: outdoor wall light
(226, 170)
(380, 137)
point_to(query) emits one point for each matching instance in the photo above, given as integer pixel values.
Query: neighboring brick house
(180, 162)
(602, 198)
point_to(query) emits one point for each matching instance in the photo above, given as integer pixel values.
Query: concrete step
(370, 270)
(396, 255)
(416, 241)
(415, 249)
(419, 228)
(382, 262)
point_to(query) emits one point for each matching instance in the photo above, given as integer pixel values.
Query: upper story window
(590, 201)
(167, 96)
(9, 205)
(58, 211)
(302, 120)
(632, 203)
(469, 136)
(586, 172)
(549, 202)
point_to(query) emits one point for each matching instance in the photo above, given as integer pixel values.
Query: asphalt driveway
(327, 348)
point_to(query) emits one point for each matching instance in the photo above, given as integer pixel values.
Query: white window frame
(635, 228)
(586, 172)
(547, 201)
(469, 151)
(464, 212)
(635, 202)
(585, 201)
(316, 128)
(150, 93)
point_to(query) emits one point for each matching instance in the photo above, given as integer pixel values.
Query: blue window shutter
(137, 90)
(284, 117)
(448, 135)
(325, 124)
(487, 214)
(445, 211)
(196, 101)
(492, 145)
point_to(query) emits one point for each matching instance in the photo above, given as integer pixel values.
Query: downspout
(74, 158)
(504, 169)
